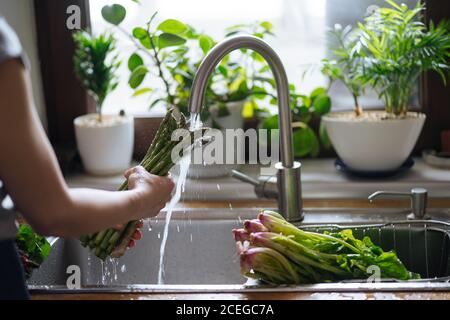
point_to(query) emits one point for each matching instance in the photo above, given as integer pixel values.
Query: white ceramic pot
(233, 121)
(106, 147)
(373, 144)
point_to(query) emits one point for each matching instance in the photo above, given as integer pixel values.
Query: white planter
(105, 148)
(233, 121)
(373, 144)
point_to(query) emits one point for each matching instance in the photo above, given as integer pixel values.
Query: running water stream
(195, 124)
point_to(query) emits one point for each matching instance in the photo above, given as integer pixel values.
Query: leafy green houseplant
(347, 63)
(387, 52)
(105, 142)
(397, 48)
(171, 51)
(97, 74)
(305, 108)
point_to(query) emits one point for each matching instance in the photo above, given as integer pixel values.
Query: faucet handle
(419, 201)
(263, 189)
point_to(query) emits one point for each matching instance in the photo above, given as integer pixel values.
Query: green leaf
(140, 33)
(137, 77)
(318, 92)
(305, 142)
(206, 43)
(156, 102)
(259, 92)
(322, 105)
(173, 27)
(147, 42)
(35, 246)
(135, 61)
(268, 26)
(270, 123)
(301, 113)
(257, 57)
(169, 40)
(142, 91)
(114, 14)
(223, 71)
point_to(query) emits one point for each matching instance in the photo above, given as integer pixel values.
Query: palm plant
(346, 65)
(397, 47)
(96, 65)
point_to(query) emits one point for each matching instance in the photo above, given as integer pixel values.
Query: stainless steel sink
(200, 254)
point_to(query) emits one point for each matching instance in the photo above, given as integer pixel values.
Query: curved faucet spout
(253, 43)
(289, 200)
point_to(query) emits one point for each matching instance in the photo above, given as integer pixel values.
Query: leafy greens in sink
(33, 248)
(275, 251)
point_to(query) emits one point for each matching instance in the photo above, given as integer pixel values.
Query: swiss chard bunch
(275, 251)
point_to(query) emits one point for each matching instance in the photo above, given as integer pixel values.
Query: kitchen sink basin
(200, 254)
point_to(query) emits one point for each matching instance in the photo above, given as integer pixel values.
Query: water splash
(195, 124)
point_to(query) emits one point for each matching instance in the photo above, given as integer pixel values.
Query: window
(300, 27)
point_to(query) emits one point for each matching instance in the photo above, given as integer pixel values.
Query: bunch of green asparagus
(277, 252)
(158, 161)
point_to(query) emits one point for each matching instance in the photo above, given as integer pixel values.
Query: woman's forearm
(88, 211)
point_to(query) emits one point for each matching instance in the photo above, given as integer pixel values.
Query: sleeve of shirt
(10, 46)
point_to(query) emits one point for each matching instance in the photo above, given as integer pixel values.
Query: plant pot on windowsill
(373, 141)
(106, 146)
(233, 120)
(389, 57)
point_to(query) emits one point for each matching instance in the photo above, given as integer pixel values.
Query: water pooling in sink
(195, 124)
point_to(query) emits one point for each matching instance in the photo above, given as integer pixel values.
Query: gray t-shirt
(10, 48)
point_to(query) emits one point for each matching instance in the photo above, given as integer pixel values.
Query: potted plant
(105, 142)
(305, 108)
(388, 52)
(172, 51)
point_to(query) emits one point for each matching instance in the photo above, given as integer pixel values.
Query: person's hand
(137, 235)
(153, 192)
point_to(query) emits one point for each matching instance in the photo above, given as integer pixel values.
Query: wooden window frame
(66, 99)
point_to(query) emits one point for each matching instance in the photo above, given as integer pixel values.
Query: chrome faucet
(288, 174)
(419, 200)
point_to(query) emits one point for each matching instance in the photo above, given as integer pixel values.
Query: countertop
(320, 180)
(435, 203)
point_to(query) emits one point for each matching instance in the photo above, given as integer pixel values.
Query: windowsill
(320, 180)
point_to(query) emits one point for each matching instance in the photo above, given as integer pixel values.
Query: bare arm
(34, 181)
